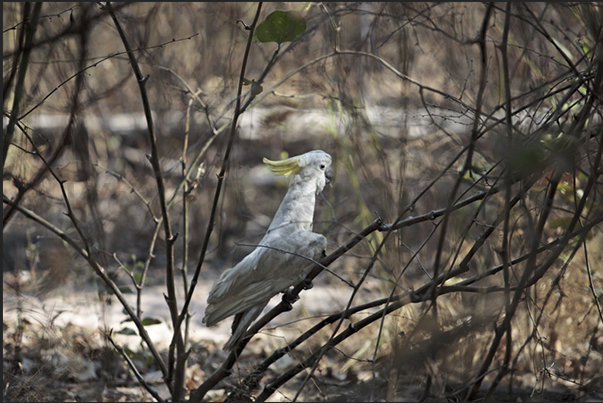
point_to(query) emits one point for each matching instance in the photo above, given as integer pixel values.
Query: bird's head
(313, 166)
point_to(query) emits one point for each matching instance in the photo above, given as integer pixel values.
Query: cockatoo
(283, 257)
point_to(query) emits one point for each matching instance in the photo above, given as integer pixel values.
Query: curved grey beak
(329, 174)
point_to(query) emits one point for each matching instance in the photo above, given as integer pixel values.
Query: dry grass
(399, 147)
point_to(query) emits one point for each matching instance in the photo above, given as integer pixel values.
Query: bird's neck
(297, 208)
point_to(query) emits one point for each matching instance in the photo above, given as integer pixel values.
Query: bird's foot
(306, 284)
(289, 299)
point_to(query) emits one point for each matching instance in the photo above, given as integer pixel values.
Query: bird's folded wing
(262, 274)
(246, 297)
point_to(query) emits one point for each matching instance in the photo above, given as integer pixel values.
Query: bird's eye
(322, 166)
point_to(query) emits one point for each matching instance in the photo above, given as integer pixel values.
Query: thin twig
(30, 31)
(197, 394)
(179, 357)
(327, 346)
(125, 180)
(309, 259)
(420, 295)
(137, 374)
(93, 65)
(504, 251)
(99, 270)
(283, 306)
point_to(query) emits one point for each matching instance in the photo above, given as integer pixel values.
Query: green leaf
(150, 321)
(137, 277)
(255, 88)
(126, 331)
(125, 289)
(281, 26)
(127, 319)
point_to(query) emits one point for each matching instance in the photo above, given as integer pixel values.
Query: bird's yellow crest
(287, 167)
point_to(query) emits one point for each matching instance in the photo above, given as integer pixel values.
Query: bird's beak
(329, 174)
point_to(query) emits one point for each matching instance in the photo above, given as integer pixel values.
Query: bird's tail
(241, 324)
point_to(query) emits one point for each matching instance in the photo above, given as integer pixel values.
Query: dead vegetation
(467, 148)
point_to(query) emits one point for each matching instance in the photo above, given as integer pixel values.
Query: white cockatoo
(283, 257)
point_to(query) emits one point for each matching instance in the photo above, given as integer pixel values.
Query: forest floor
(55, 350)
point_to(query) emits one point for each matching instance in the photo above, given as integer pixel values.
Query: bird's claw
(289, 299)
(306, 284)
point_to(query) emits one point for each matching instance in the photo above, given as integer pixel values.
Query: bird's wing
(241, 324)
(234, 278)
(265, 272)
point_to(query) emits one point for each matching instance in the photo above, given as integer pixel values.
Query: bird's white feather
(297, 208)
(283, 257)
(272, 267)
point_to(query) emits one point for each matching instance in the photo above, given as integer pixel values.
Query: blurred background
(402, 95)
